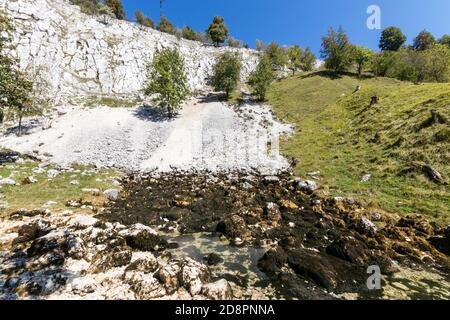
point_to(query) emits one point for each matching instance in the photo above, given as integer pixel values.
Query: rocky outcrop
(75, 54)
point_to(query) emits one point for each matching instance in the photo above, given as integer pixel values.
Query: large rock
(145, 286)
(219, 290)
(141, 237)
(193, 275)
(105, 260)
(32, 230)
(170, 275)
(234, 227)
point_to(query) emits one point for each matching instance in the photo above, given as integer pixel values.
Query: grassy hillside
(341, 136)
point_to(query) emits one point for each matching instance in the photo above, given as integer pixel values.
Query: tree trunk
(20, 122)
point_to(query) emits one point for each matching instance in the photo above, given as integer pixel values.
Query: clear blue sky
(302, 22)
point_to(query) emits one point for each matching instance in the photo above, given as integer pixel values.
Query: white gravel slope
(205, 136)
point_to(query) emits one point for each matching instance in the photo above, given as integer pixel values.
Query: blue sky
(302, 22)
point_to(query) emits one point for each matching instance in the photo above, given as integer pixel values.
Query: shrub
(166, 26)
(144, 20)
(189, 34)
(117, 8)
(308, 60)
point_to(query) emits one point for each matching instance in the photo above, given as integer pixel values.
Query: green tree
(336, 50)
(261, 78)
(117, 8)
(438, 63)
(382, 63)
(166, 78)
(276, 55)
(144, 20)
(445, 40)
(166, 26)
(295, 58)
(362, 57)
(189, 34)
(392, 39)
(424, 41)
(227, 73)
(15, 88)
(410, 65)
(308, 60)
(218, 30)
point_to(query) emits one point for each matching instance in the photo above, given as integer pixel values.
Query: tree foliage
(424, 41)
(166, 26)
(166, 78)
(392, 39)
(143, 20)
(382, 62)
(438, 63)
(260, 46)
(15, 88)
(261, 78)
(227, 73)
(276, 55)
(308, 60)
(190, 34)
(218, 30)
(445, 40)
(295, 58)
(117, 8)
(336, 50)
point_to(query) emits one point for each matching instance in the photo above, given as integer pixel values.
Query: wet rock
(273, 213)
(141, 237)
(117, 257)
(349, 249)
(213, 259)
(145, 286)
(272, 261)
(219, 290)
(327, 271)
(111, 194)
(169, 275)
(32, 230)
(234, 227)
(193, 275)
(307, 186)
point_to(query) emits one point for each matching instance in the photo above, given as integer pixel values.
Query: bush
(308, 60)
(260, 46)
(233, 43)
(382, 62)
(227, 73)
(336, 50)
(144, 20)
(261, 78)
(438, 63)
(295, 58)
(117, 8)
(218, 30)
(410, 65)
(445, 40)
(166, 77)
(189, 34)
(166, 26)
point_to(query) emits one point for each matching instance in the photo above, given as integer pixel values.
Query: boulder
(141, 237)
(307, 186)
(111, 194)
(7, 181)
(234, 227)
(193, 275)
(56, 239)
(272, 261)
(145, 286)
(349, 249)
(82, 222)
(32, 230)
(76, 248)
(105, 260)
(83, 286)
(145, 264)
(219, 290)
(170, 275)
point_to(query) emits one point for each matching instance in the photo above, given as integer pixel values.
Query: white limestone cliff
(75, 55)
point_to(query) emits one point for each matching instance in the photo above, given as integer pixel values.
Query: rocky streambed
(237, 235)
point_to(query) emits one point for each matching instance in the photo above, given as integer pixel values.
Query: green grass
(110, 102)
(336, 128)
(59, 189)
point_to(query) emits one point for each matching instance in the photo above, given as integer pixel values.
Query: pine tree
(218, 30)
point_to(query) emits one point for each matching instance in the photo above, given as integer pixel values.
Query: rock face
(75, 54)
